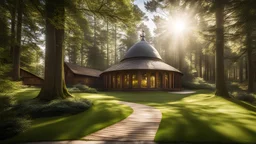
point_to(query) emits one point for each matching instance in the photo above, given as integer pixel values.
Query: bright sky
(151, 25)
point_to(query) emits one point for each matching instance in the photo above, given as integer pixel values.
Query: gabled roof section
(80, 70)
(31, 73)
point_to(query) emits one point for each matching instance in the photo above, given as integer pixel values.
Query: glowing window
(135, 81)
(152, 81)
(113, 81)
(118, 78)
(126, 81)
(144, 80)
(166, 78)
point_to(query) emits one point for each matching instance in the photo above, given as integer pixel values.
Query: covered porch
(142, 80)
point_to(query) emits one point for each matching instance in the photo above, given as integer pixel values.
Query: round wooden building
(142, 68)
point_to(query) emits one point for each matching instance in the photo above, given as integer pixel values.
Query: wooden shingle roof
(22, 69)
(80, 70)
(141, 64)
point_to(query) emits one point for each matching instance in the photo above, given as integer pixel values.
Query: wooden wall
(144, 80)
(30, 79)
(73, 79)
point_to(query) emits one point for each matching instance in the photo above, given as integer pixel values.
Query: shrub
(82, 88)
(7, 85)
(74, 90)
(10, 123)
(35, 108)
(6, 102)
(197, 83)
(245, 97)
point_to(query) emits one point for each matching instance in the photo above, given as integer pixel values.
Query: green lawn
(199, 117)
(103, 113)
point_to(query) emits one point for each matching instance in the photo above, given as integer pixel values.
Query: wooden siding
(30, 79)
(73, 79)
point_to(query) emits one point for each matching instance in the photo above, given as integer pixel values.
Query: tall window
(126, 81)
(152, 80)
(159, 81)
(113, 81)
(135, 81)
(144, 80)
(166, 79)
(118, 78)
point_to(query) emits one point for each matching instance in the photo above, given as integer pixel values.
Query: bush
(12, 126)
(245, 97)
(82, 88)
(6, 102)
(35, 108)
(197, 83)
(10, 123)
(9, 86)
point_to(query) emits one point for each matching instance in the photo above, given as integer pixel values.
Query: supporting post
(170, 80)
(157, 85)
(148, 79)
(139, 79)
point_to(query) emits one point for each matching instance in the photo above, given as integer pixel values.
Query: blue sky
(149, 23)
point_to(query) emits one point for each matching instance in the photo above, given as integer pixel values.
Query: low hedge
(35, 108)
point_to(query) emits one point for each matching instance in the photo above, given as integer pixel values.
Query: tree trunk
(180, 56)
(196, 62)
(13, 24)
(107, 47)
(213, 70)
(234, 73)
(246, 68)
(54, 86)
(248, 26)
(81, 55)
(249, 61)
(16, 50)
(200, 63)
(206, 67)
(221, 89)
(115, 47)
(3, 30)
(241, 68)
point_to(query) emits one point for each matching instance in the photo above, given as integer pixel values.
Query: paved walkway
(183, 92)
(141, 125)
(94, 142)
(138, 128)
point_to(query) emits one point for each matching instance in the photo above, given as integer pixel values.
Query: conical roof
(141, 56)
(142, 49)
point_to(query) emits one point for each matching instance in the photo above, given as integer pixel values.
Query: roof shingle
(80, 70)
(141, 64)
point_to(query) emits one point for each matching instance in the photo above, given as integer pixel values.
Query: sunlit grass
(103, 113)
(77, 126)
(199, 117)
(206, 118)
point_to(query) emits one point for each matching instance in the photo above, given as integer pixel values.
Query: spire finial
(142, 35)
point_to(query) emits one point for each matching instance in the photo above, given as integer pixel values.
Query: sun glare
(179, 26)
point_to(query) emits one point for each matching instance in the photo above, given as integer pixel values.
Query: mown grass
(199, 117)
(100, 115)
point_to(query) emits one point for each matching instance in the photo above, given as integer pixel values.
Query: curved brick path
(141, 125)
